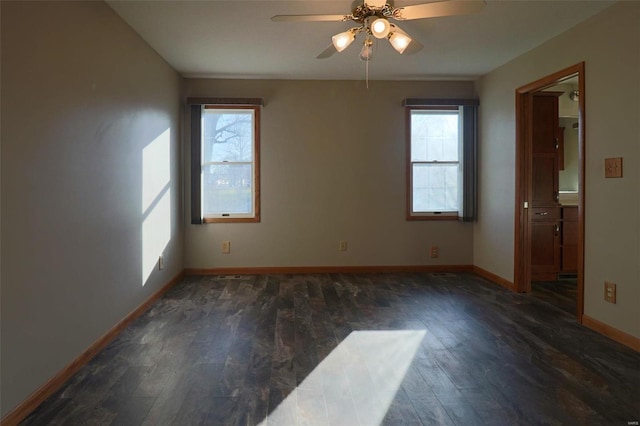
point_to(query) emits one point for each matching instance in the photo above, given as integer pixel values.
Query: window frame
(221, 217)
(444, 215)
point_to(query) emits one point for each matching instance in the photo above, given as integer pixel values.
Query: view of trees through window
(227, 161)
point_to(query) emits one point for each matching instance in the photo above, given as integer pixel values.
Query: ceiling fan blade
(440, 8)
(309, 18)
(375, 3)
(329, 51)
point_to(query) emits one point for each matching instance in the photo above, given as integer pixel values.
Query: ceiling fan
(374, 16)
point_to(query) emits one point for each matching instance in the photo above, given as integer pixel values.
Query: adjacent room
(306, 212)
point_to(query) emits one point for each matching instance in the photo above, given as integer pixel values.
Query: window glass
(227, 189)
(435, 187)
(229, 162)
(434, 143)
(434, 136)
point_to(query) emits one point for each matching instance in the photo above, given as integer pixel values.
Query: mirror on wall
(568, 121)
(568, 180)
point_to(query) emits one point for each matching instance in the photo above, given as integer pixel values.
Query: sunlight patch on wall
(356, 382)
(156, 169)
(156, 201)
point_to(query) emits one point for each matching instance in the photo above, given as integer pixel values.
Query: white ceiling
(237, 39)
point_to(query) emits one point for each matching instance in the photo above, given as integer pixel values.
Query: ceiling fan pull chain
(366, 64)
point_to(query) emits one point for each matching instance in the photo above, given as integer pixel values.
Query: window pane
(227, 136)
(435, 187)
(226, 189)
(434, 136)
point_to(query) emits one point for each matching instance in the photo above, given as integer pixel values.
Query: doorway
(531, 221)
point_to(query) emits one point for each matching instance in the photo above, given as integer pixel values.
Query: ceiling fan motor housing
(361, 13)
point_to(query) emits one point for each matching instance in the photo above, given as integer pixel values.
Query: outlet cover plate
(609, 292)
(613, 167)
(434, 253)
(226, 247)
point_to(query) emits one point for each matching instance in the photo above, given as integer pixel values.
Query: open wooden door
(527, 227)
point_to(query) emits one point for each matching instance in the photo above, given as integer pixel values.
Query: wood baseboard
(612, 332)
(494, 278)
(32, 402)
(327, 269)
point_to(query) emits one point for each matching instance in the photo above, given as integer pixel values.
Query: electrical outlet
(226, 247)
(343, 246)
(435, 252)
(609, 292)
(161, 262)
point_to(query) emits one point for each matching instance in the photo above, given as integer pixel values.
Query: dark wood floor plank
(352, 349)
(169, 402)
(283, 408)
(488, 408)
(457, 371)
(414, 384)
(561, 294)
(324, 338)
(253, 406)
(131, 411)
(284, 341)
(50, 412)
(430, 411)
(459, 409)
(437, 380)
(223, 411)
(401, 411)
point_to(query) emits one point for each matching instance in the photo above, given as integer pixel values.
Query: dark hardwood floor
(561, 294)
(342, 349)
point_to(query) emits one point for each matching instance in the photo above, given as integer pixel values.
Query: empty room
(320, 212)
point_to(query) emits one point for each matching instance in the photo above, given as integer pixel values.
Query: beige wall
(609, 43)
(333, 168)
(90, 183)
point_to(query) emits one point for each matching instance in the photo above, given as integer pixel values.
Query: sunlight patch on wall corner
(156, 201)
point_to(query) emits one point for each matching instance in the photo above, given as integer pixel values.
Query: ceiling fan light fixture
(399, 41)
(343, 40)
(380, 28)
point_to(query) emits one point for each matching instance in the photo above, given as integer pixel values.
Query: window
(440, 160)
(228, 162)
(434, 162)
(225, 154)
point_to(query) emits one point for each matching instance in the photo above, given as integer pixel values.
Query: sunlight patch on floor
(355, 384)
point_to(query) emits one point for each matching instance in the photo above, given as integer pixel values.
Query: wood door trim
(522, 231)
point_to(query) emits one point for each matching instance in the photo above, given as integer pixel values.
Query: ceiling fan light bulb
(399, 41)
(366, 53)
(380, 28)
(343, 40)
